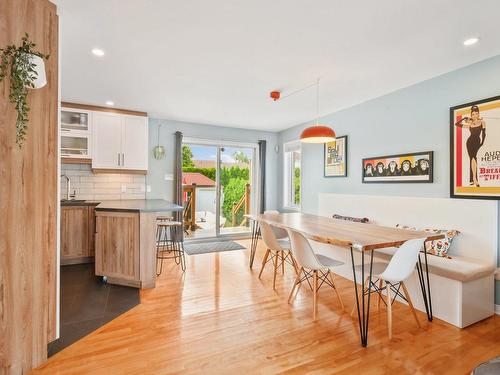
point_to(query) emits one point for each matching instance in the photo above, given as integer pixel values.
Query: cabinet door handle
(123, 159)
(65, 130)
(118, 158)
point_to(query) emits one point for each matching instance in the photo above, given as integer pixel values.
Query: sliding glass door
(219, 187)
(236, 167)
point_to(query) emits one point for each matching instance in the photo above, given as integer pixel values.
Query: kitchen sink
(72, 200)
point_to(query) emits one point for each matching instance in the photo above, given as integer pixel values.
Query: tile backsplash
(103, 186)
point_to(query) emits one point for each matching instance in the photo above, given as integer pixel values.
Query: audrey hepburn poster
(475, 149)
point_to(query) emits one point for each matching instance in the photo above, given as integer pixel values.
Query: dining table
(352, 236)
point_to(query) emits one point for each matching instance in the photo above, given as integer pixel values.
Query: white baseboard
(497, 309)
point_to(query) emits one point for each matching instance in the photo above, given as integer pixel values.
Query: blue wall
(158, 168)
(415, 118)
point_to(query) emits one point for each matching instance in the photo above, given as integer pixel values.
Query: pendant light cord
(159, 126)
(317, 102)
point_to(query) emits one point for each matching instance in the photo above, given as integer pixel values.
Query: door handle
(118, 158)
(123, 159)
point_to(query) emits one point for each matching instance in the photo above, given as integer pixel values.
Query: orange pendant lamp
(317, 133)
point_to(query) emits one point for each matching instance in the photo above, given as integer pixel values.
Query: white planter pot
(40, 78)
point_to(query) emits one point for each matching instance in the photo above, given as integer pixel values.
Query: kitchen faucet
(68, 194)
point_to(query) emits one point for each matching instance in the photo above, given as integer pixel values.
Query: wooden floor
(220, 318)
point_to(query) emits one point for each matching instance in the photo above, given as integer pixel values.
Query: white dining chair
(313, 266)
(278, 251)
(280, 233)
(391, 277)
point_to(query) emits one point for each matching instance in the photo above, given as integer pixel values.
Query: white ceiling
(216, 61)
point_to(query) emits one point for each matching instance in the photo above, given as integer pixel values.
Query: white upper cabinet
(107, 140)
(135, 142)
(76, 129)
(120, 141)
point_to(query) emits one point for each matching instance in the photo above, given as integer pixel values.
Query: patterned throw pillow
(437, 247)
(440, 247)
(351, 218)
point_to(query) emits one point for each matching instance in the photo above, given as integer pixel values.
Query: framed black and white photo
(335, 157)
(410, 167)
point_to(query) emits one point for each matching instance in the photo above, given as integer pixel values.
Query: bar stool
(168, 241)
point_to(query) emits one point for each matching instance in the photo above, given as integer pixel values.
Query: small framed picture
(335, 163)
(410, 167)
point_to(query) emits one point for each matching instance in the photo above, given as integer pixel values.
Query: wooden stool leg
(295, 285)
(410, 303)
(315, 293)
(389, 309)
(264, 261)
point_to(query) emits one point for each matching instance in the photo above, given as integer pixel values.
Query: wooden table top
(343, 233)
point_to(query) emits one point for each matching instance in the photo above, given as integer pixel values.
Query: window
(292, 174)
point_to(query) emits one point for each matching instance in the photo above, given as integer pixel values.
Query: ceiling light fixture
(98, 52)
(317, 133)
(471, 41)
(110, 103)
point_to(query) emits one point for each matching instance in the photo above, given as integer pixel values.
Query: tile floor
(87, 303)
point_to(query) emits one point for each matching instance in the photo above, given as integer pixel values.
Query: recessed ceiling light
(471, 41)
(110, 103)
(98, 52)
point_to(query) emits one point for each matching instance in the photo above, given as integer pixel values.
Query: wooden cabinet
(77, 234)
(120, 142)
(118, 247)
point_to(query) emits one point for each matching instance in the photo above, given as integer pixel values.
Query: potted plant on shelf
(27, 71)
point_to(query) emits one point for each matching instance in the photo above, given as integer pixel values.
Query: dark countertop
(77, 202)
(139, 205)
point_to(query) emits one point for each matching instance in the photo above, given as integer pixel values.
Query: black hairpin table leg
(255, 239)
(363, 298)
(425, 285)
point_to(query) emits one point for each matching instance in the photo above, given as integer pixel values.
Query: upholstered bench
(462, 287)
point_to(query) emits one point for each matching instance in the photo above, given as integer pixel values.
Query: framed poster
(335, 158)
(410, 167)
(475, 150)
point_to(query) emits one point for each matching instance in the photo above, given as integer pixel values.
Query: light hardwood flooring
(219, 318)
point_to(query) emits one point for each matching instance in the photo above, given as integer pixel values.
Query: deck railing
(243, 202)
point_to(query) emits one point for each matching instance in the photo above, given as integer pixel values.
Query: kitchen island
(125, 242)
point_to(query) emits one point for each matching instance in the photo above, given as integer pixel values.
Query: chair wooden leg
(264, 261)
(389, 309)
(315, 293)
(410, 303)
(360, 295)
(282, 262)
(295, 285)
(336, 290)
(379, 295)
(294, 262)
(276, 257)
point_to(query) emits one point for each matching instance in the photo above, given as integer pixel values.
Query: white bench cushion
(457, 268)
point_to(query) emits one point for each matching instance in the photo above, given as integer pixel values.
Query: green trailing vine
(22, 78)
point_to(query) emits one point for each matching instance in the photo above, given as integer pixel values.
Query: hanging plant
(27, 71)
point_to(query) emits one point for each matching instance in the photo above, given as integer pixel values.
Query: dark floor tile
(85, 306)
(72, 332)
(87, 303)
